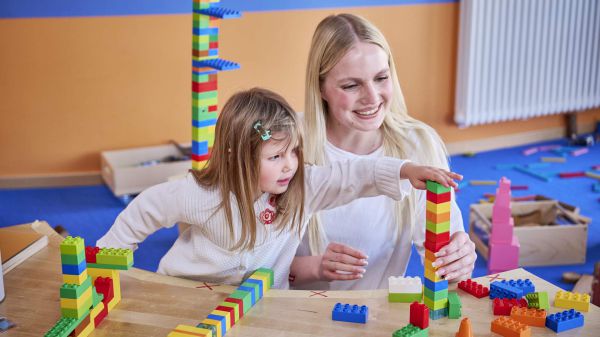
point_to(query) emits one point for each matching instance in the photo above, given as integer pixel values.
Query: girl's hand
(456, 260)
(419, 174)
(341, 262)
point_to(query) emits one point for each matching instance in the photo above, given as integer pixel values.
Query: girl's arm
(155, 208)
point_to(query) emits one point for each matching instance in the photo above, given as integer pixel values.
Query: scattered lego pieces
(474, 288)
(538, 300)
(572, 174)
(566, 320)
(503, 306)
(529, 316)
(569, 300)
(350, 313)
(508, 327)
(595, 175)
(465, 328)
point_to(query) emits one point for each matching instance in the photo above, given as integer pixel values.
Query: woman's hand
(419, 174)
(456, 260)
(342, 263)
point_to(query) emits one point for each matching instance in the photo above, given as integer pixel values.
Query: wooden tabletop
(154, 304)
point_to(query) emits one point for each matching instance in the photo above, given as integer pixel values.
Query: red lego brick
(104, 286)
(439, 237)
(203, 87)
(90, 254)
(438, 198)
(101, 315)
(238, 302)
(435, 246)
(231, 312)
(419, 315)
(474, 288)
(503, 306)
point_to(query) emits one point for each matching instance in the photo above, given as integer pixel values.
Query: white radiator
(526, 58)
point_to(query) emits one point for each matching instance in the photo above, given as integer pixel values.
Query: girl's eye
(275, 157)
(381, 78)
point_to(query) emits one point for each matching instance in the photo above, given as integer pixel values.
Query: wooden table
(154, 304)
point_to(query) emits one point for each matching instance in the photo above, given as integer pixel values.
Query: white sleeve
(155, 208)
(456, 220)
(343, 181)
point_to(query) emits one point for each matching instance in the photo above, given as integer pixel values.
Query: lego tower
(504, 245)
(205, 66)
(437, 236)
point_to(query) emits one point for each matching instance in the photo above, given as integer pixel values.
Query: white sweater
(202, 252)
(369, 225)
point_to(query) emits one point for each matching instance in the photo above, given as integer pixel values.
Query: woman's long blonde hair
(334, 36)
(234, 166)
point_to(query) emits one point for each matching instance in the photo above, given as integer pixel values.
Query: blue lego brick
(350, 313)
(566, 320)
(533, 173)
(218, 12)
(435, 286)
(201, 124)
(221, 319)
(206, 72)
(71, 269)
(205, 31)
(505, 289)
(213, 52)
(218, 64)
(254, 296)
(437, 314)
(199, 147)
(260, 286)
(525, 285)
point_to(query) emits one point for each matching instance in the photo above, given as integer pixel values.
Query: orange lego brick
(508, 327)
(437, 218)
(529, 316)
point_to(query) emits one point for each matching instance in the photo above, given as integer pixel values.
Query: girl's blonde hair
(234, 166)
(402, 134)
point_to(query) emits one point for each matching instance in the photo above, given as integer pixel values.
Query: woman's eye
(382, 78)
(275, 157)
(349, 86)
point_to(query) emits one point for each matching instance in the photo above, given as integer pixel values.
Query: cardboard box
(548, 233)
(133, 170)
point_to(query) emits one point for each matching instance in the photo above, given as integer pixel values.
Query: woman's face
(358, 90)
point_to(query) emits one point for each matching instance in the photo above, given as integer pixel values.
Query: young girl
(249, 207)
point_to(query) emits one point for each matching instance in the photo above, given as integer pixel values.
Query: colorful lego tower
(205, 66)
(437, 236)
(504, 245)
(91, 286)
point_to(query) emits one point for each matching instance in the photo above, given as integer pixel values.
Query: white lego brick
(405, 285)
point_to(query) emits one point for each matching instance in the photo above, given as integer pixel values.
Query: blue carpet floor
(89, 211)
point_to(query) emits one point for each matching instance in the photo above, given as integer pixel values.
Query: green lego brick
(437, 228)
(435, 295)
(96, 298)
(405, 297)
(74, 291)
(235, 307)
(109, 266)
(72, 259)
(72, 246)
(199, 78)
(200, 46)
(204, 115)
(246, 298)
(256, 288)
(204, 95)
(115, 256)
(268, 272)
(436, 188)
(79, 312)
(411, 331)
(454, 305)
(64, 327)
(538, 300)
(435, 305)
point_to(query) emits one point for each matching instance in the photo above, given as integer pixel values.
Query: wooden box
(548, 233)
(133, 170)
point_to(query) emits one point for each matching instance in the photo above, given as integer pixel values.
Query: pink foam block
(503, 256)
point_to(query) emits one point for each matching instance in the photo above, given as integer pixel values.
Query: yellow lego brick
(429, 255)
(75, 279)
(431, 275)
(438, 208)
(224, 314)
(187, 330)
(199, 165)
(206, 101)
(203, 134)
(72, 303)
(569, 300)
(264, 279)
(428, 264)
(215, 323)
(94, 313)
(440, 304)
(114, 274)
(72, 246)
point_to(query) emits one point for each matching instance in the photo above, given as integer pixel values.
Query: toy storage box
(122, 172)
(548, 233)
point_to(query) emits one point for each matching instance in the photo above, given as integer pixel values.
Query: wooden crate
(548, 233)
(123, 172)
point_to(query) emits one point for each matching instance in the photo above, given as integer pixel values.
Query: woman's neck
(357, 142)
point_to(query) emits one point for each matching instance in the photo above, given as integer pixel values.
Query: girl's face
(358, 90)
(278, 165)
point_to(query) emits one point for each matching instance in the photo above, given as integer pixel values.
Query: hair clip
(265, 134)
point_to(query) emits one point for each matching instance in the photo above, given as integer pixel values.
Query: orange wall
(72, 87)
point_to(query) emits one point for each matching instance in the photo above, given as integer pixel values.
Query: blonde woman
(355, 109)
(250, 206)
